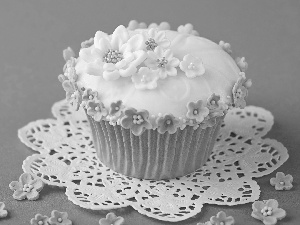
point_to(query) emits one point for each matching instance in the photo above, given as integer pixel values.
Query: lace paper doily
(66, 158)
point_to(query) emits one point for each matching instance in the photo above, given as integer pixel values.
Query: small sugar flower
(167, 123)
(240, 91)
(111, 219)
(161, 26)
(267, 211)
(163, 62)
(242, 64)
(115, 108)
(96, 110)
(71, 74)
(68, 54)
(215, 106)
(154, 38)
(3, 212)
(221, 219)
(226, 47)
(145, 78)
(133, 24)
(135, 120)
(197, 110)
(59, 218)
(208, 122)
(88, 43)
(282, 181)
(88, 95)
(187, 29)
(69, 64)
(27, 187)
(192, 66)
(39, 220)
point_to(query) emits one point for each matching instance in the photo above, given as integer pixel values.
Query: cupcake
(155, 98)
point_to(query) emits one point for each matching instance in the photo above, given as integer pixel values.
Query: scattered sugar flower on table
(39, 220)
(27, 187)
(267, 211)
(3, 211)
(111, 219)
(187, 29)
(282, 181)
(59, 218)
(192, 66)
(167, 123)
(226, 47)
(221, 219)
(145, 79)
(197, 110)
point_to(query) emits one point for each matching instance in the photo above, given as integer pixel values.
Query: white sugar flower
(187, 29)
(114, 56)
(192, 66)
(145, 78)
(155, 38)
(163, 62)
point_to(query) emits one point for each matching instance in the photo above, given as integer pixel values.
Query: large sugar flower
(221, 219)
(197, 110)
(154, 38)
(59, 218)
(282, 181)
(192, 66)
(116, 55)
(267, 211)
(135, 120)
(240, 91)
(187, 29)
(3, 211)
(96, 110)
(39, 220)
(163, 62)
(27, 187)
(111, 219)
(167, 123)
(145, 78)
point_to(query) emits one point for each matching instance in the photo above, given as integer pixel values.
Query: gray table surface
(34, 33)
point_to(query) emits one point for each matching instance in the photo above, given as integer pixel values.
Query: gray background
(34, 33)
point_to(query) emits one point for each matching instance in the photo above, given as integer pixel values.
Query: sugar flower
(3, 212)
(282, 181)
(59, 218)
(192, 66)
(114, 56)
(145, 78)
(96, 110)
(163, 62)
(208, 122)
(135, 120)
(242, 64)
(226, 47)
(161, 26)
(154, 38)
(221, 219)
(88, 95)
(167, 123)
(27, 187)
(115, 108)
(71, 74)
(39, 220)
(88, 43)
(133, 24)
(68, 53)
(197, 110)
(73, 95)
(240, 91)
(267, 211)
(187, 29)
(216, 106)
(111, 219)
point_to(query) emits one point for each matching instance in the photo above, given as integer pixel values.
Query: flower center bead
(195, 112)
(27, 187)
(162, 62)
(137, 119)
(191, 66)
(112, 56)
(40, 222)
(97, 108)
(222, 223)
(151, 44)
(168, 122)
(59, 220)
(267, 211)
(281, 182)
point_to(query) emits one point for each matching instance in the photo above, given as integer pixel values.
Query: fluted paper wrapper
(153, 155)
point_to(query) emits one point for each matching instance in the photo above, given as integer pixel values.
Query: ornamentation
(161, 26)
(136, 121)
(192, 66)
(145, 79)
(242, 64)
(197, 111)
(282, 181)
(221, 219)
(133, 24)
(88, 95)
(96, 110)
(187, 29)
(3, 211)
(68, 54)
(167, 123)
(115, 108)
(111, 219)
(226, 47)
(59, 218)
(39, 220)
(267, 211)
(154, 38)
(240, 91)
(69, 160)
(27, 187)
(215, 106)
(163, 62)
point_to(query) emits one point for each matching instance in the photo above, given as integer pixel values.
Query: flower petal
(136, 42)
(32, 195)
(25, 178)
(258, 206)
(104, 46)
(270, 220)
(279, 213)
(119, 37)
(38, 184)
(272, 203)
(257, 215)
(15, 185)
(113, 75)
(98, 36)
(172, 71)
(19, 195)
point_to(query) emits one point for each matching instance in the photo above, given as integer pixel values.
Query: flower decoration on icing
(145, 79)
(215, 106)
(96, 110)
(240, 91)
(39, 220)
(161, 26)
(3, 211)
(68, 53)
(154, 38)
(59, 218)
(88, 95)
(135, 120)
(167, 123)
(73, 95)
(282, 181)
(163, 62)
(226, 47)
(88, 43)
(267, 211)
(70, 63)
(27, 187)
(197, 110)
(71, 74)
(133, 24)
(242, 64)
(221, 219)
(111, 219)
(114, 56)
(187, 29)
(115, 108)
(192, 66)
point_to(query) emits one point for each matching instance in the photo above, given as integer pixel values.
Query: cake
(155, 98)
